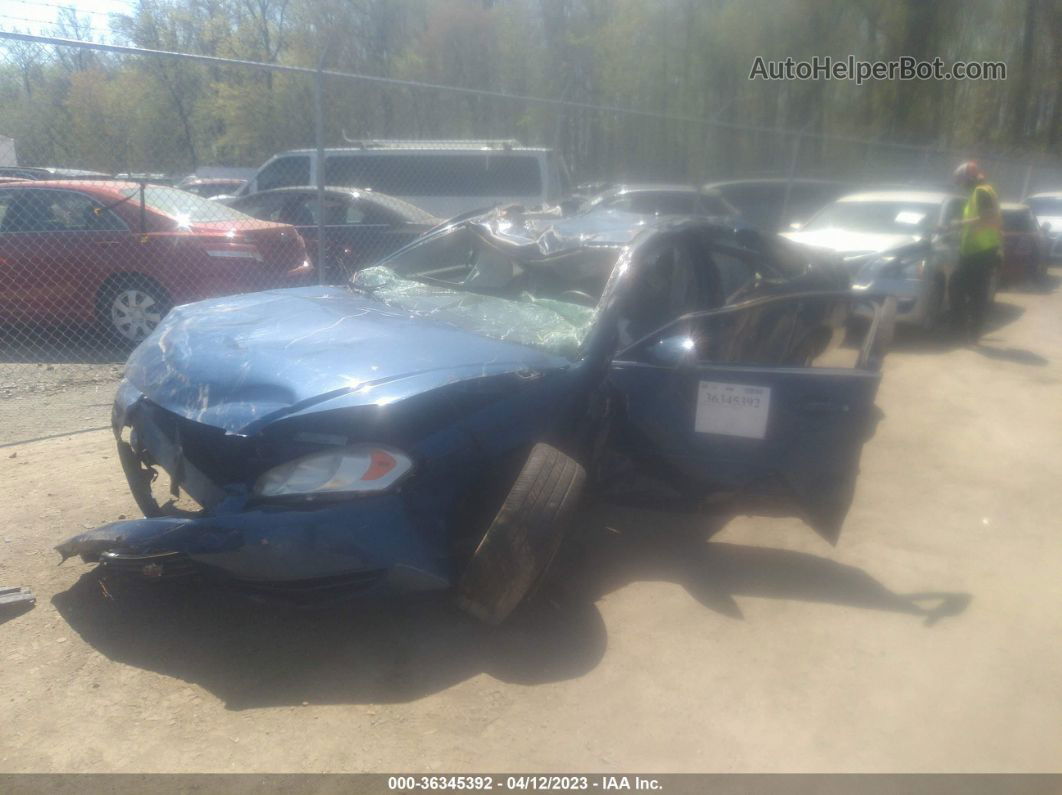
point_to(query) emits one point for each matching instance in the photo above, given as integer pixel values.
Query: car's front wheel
(521, 542)
(131, 307)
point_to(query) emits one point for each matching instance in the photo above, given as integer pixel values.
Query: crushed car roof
(553, 234)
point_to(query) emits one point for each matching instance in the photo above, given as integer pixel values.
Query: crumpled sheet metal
(15, 599)
(556, 326)
(553, 235)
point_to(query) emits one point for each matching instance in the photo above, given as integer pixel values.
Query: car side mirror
(673, 351)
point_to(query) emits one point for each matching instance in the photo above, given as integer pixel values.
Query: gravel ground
(54, 382)
(38, 400)
(927, 640)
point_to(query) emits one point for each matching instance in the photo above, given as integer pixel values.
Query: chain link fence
(97, 248)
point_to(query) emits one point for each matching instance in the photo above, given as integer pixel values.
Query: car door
(56, 247)
(732, 401)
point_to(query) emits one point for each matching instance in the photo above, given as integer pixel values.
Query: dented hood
(240, 362)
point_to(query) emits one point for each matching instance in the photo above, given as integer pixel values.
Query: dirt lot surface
(929, 639)
(53, 384)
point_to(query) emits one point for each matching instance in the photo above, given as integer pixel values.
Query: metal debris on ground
(14, 599)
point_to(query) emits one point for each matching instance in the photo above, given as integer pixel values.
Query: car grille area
(148, 566)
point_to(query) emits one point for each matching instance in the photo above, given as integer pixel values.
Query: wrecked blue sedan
(433, 424)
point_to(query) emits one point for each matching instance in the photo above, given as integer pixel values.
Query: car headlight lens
(362, 469)
(895, 268)
(912, 269)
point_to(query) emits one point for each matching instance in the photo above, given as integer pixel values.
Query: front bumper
(912, 299)
(341, 547)
(391, 541)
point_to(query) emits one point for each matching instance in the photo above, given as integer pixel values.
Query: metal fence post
(792, 175)
(925, 164)
(318, 102)
(1025, 183)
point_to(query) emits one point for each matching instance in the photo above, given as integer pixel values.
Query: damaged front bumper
(269, 551)
(388, 541)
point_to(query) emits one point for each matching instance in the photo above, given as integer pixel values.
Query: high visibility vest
(982, 236)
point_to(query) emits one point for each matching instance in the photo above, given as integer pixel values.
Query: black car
(653, 199)
(771, 205)
(360, 226)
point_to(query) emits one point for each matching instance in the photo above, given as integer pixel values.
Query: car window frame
(274, 163)
(280, 198)
(118, 223)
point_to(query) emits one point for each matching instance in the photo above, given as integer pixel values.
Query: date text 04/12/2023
(522, 782)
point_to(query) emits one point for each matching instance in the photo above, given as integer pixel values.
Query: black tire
(144, 301)
(521, 542)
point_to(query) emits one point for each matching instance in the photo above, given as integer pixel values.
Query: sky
(38, 16)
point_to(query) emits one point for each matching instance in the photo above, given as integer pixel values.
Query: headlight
(912, 269)
(363, 469)
(895, 268)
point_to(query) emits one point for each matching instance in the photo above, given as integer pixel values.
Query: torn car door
(727, 401)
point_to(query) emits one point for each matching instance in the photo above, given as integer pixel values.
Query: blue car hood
(240, 362)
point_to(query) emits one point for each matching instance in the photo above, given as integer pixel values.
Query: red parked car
(122, 253)
(1024, 245)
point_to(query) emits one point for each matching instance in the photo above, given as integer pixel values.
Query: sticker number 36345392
(732, 409)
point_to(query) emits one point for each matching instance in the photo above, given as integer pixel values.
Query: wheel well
(117, 281)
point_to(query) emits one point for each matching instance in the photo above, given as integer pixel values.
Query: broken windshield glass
(556, 326)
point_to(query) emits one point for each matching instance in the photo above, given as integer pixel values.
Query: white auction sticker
(732, 409)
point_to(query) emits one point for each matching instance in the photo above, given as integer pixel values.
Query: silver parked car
(1047, 207)
(891, 242)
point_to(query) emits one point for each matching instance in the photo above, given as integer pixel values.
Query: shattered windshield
(462, 279)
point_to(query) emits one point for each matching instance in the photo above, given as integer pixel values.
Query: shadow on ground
(714, 573)
(989, 350)
(918, 340)
(253, 655)
(913, 340)
(1046, 285)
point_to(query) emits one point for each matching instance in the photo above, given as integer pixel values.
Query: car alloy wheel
(135, 313)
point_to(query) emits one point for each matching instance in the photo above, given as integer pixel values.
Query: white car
(443, 178)
(891, 243)
(1047, 207)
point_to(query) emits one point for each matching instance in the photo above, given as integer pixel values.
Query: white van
(445, 178)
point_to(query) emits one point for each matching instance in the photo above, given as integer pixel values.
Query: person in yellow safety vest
(981, 237)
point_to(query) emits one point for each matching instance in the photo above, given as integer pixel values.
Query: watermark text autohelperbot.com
(905, 67)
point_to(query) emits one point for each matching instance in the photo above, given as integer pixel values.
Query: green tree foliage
(683, 65)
